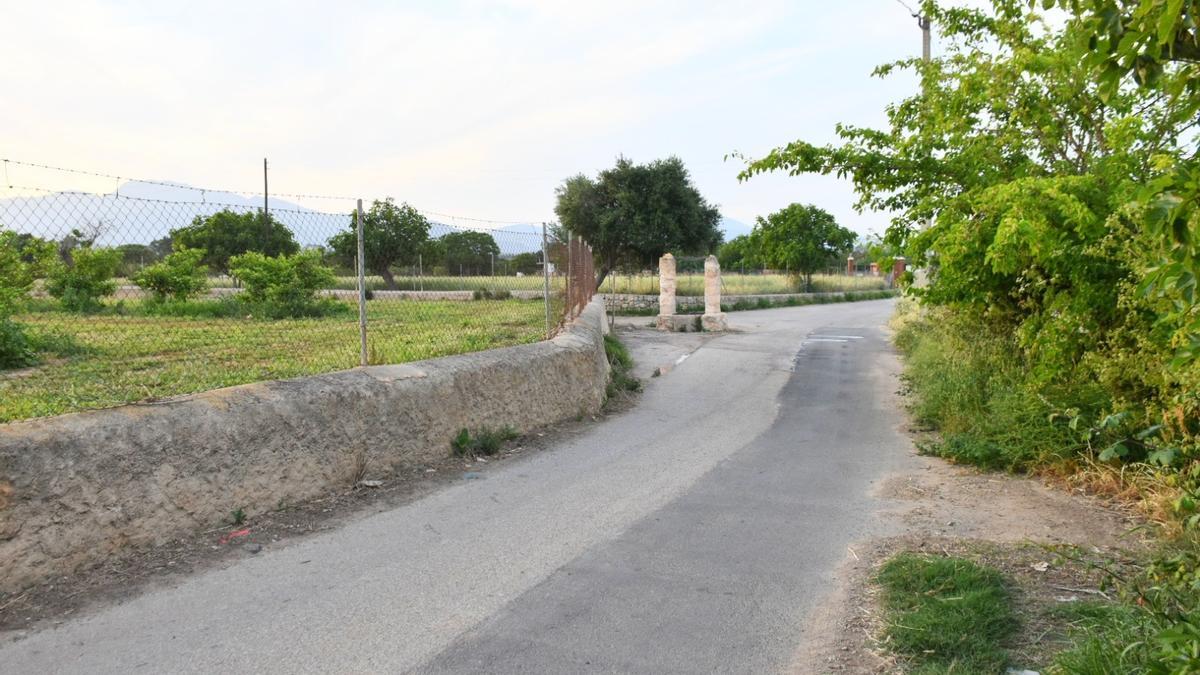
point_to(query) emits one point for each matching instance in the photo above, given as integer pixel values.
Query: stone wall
(75, 489)
(694, 304)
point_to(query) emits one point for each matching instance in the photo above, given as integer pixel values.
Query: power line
(910, 9)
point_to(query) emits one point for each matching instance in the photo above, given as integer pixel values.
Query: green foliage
(1021, 187)
(469, 253)
(225, 235)
(392, 235)
(526, 263)
(946, 614)
(738, 253)
(632, 214)
(15, 350)
(285, 286)
(802, 238)
(621, 380)
(179, 276)
(485, 441)
(22, 260)
(84, 278)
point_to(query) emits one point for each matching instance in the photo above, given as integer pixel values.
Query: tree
(469, 253)
(526, 263)
(392, 235)
(287, 285)
(803, 238)
(83, 280)
(738, 252)
(178, 276)
(226, 234)
(23, 259)
(632, 214)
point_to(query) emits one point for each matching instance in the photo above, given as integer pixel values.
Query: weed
(621, 380)
(485, 441)
(237, 516)
(946, 614)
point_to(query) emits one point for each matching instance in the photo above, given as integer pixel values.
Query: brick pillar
(850, 268)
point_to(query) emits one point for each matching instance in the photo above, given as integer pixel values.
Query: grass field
(107, 360)
(646, 284)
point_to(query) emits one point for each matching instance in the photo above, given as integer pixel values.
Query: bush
(83, 280)
(179, 276)
(15, 350)
(286, 286)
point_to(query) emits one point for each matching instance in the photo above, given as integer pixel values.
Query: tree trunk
(388, 279)
(601, 276)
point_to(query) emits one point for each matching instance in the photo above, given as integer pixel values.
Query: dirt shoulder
(1048, 542)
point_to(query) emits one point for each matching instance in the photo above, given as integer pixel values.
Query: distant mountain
(734, 228)
(138, 213)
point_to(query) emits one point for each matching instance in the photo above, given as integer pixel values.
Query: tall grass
(970, 383)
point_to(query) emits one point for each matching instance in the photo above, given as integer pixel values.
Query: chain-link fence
(154, 290)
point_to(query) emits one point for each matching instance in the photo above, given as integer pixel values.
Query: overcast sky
(471, 108)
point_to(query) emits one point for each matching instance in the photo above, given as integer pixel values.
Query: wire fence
(155, 289)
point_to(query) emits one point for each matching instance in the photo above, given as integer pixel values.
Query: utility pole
(266, 208)
(923, 22)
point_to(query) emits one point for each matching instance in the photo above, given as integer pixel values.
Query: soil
(1052, 545)
(141, 571)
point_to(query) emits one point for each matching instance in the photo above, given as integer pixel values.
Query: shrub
(285, 286)
(15, 350)
(485, 441)
(179, 276)
(85, 278)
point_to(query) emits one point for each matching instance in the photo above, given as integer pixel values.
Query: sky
(471, 108)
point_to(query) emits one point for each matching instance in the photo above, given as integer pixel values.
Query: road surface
(692, 534)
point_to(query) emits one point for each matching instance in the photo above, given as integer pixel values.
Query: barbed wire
(205, 190)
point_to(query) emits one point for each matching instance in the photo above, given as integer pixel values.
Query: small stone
(253, 548)
(472, 475)
(370, 483)
(1040, 566)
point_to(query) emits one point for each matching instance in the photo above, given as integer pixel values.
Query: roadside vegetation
(1047, 184)
(945, 614)
(621, 380)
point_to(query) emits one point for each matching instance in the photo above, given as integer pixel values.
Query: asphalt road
(691, 534)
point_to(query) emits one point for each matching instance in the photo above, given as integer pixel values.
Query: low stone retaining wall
(694, 304)
(78, 488)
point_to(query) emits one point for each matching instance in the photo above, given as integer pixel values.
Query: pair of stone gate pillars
(713, 318)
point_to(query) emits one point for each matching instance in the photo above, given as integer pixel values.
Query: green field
(112, 359)
(643, 284)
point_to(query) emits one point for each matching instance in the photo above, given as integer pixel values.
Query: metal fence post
(362, 288)
(546, 278)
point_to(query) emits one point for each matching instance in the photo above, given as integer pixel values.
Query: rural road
(693, 533)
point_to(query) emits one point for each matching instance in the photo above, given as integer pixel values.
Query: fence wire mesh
(154, 290)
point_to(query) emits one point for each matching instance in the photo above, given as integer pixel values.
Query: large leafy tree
(738, 253)
(802, 238)
(632, 214)
(1015, 178)
(392, 235)
(469, 253)
(226, 233)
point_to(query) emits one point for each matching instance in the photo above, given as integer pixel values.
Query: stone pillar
(898, 268)
(714, 318)
(666, 292)
(850, 269)
(874, 269)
